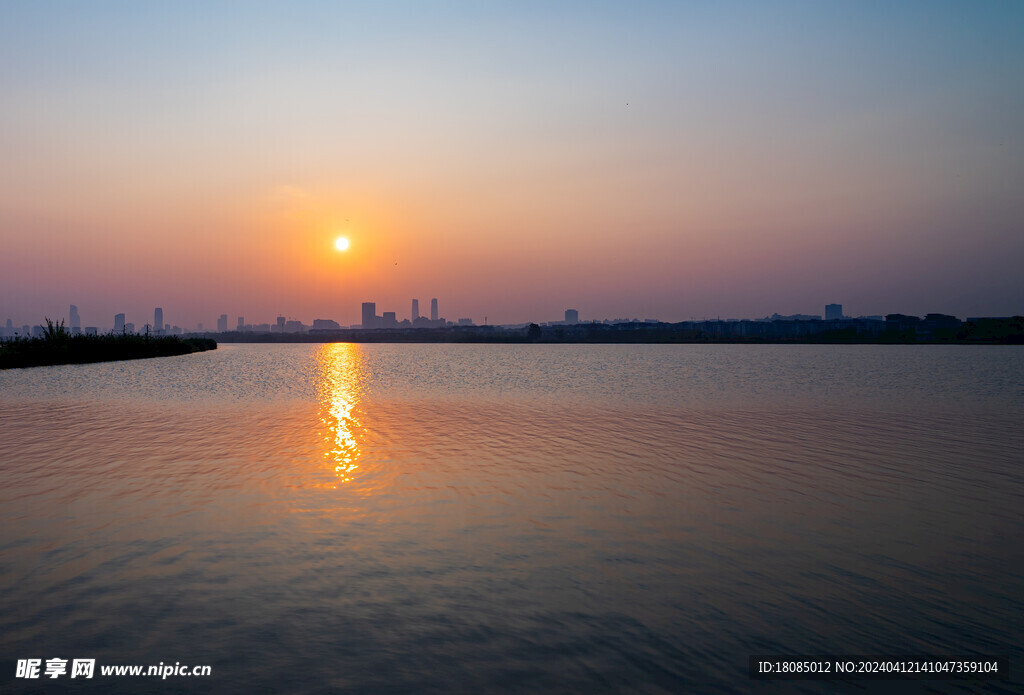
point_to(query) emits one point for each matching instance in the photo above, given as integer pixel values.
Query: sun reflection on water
(339, 387)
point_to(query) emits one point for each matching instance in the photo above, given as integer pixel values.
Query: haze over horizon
(644, 160)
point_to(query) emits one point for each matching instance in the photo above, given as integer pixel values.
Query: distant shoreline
(986, 332)
(87, 349)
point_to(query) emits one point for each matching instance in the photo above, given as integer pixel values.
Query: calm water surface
(467, 518)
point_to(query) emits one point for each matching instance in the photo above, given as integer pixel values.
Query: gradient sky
(663, 160)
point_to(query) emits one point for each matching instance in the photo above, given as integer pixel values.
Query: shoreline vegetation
(58, 346)
(1008, 331)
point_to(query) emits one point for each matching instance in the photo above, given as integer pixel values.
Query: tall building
(74, 320)
(241, 322)
(833, 312)
(388, 319)
(415, 309)
(158, 320)
(119, 323)
(222, 323)
(433, 309)
(369, 314)
(280, 324)
(572, 316)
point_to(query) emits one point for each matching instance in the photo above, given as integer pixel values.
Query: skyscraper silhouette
(415, 309)
(433, 309)
(833, 312)
(158, 320)
(74, 320)
(369, 315)
(118, 323)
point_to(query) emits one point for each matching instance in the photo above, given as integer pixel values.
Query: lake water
(511, 518)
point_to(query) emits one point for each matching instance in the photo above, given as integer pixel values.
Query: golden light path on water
(339, 390)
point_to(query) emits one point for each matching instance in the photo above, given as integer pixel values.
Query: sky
(669, 160)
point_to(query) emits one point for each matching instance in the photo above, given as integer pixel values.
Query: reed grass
(58, 346)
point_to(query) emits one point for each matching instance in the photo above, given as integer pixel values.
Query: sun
(341, 243)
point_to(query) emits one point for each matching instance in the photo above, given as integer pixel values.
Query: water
(511, 518)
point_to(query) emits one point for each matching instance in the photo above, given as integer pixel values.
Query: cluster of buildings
(281, 325)
(158, 327)
(370, 320)
(389, 319)
(74, 326)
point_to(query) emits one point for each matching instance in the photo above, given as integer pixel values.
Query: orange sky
(663, 162)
